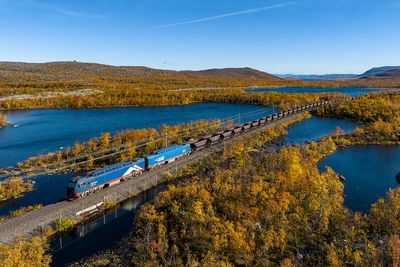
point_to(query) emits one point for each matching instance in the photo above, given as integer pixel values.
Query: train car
(166, 155)
(198, 144)
(255, 123)
(246, 127)
(213, 139)
(274, 117)
(227, 134)
(104, 177)
(263, 120)
(268, 118)
(238, 129)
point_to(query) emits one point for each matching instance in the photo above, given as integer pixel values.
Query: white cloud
(54, 8)
(238, 13)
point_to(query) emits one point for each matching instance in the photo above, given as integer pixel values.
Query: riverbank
(3, 121)
(368, 173)
(43, 131)
(269, 134)
(14, 188)
(375, 222)
(119, 97)
(131, 187)
(271, 198)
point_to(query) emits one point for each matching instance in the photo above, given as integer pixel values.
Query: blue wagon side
(104, 177)
(167, 155)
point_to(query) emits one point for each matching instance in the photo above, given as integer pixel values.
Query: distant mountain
(386, 72)
(236, 72)
(392, 74)
(375, 71)
(316, 77)
(72, 70)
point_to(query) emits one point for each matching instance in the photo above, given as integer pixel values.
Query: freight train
(113, 174)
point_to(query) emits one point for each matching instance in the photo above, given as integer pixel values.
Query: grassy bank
(119, 97)
(3, 121)
(14, 188)
(380, 112)
(243, 207)
(21, 211)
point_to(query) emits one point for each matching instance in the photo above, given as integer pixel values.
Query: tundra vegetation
(41, 256)
(13, 188)
(20, 211)
(27, 252)
(243, 207)
(127, 145)
(258, 209)
(63, 225)
(379, 111)
(137, 86)
(3, 120)
(119, 97)
(246, 207)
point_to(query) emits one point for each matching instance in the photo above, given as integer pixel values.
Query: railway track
(36, 220)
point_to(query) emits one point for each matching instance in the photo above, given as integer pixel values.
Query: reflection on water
(101, 233)
(45, 130)
(369, 171)
(105, 231)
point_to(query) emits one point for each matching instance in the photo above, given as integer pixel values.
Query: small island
(3, 121)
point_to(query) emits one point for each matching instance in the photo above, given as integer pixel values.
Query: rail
(41, 218)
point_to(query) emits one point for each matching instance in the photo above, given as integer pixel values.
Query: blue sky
(299, 36)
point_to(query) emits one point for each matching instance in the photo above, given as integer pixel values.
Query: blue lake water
(314, 128)
(42, 131)
(370, 171)
(106, 231)
(101, 233)
(351, 91)
(45, 130)
(51, 189)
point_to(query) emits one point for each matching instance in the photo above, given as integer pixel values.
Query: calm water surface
(314, 128)
(82, 242)
(101, 233)
(351, 91)
(42, 131)
(370, 171)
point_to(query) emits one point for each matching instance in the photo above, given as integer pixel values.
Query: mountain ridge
(378, 70)
(74, 68)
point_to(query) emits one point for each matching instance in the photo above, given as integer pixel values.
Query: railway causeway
(33, 221)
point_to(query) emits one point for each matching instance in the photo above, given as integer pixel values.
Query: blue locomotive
(113, 174)
(108, 176)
